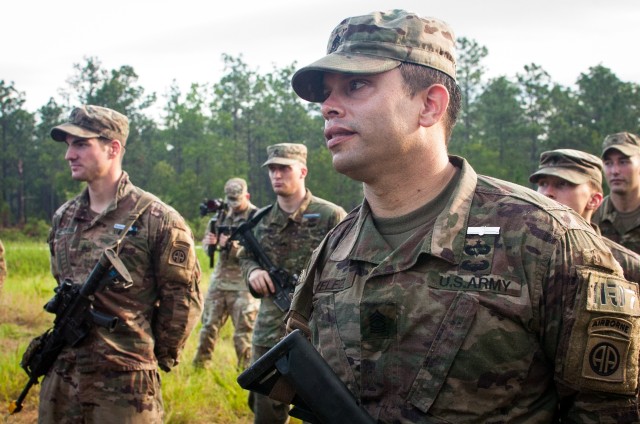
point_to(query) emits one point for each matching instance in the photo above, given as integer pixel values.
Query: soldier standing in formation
(574, 178)
(111, 376)
(619, 216)
(289, 232)
(228, 295)
(449, 296)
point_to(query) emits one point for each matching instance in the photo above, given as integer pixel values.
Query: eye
(356, 84)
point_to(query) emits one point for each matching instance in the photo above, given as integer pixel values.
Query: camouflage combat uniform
(109, 373)
(509, 304)
(606, 216)
(228, 295)
(628, 259)
(288, 241)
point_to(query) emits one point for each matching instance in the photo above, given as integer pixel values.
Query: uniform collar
(364, 243)
(281, 217)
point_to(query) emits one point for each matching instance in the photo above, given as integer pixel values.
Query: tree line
(213, 132)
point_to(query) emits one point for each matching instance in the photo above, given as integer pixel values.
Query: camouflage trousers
(218, 307)
(124, 397)
(266, 410)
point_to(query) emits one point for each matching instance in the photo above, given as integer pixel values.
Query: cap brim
(281, 161)
(624, 149)
(307, 82)
(60, 132)
(570, 175)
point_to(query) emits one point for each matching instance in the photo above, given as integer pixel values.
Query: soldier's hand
(261, 283)
(209, 239)
(223, 240)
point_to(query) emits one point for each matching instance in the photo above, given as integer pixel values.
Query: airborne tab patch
(607, 349)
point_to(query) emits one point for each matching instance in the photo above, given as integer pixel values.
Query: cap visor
(307, 82)
(570, 175)
(281, 161)
(60, 132)
(624, 149)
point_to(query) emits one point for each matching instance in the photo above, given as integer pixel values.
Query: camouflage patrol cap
(379, 42)
(628, 144)
(235, 188)
(286, 154)
(571, 165)
(92, 122)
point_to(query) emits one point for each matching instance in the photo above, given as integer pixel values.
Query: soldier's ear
(435, 100)
(595, 201)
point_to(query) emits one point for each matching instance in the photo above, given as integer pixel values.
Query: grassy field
(190, 395)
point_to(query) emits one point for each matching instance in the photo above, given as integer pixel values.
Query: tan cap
(628, 144)
(572, 165)
(286, 154)
(234, 188)
(92, 122)
(378, 42)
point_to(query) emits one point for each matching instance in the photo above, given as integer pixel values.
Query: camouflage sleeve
(247, 264)
(591, 318)
(177, 277)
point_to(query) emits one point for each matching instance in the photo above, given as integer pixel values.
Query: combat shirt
(288, 241)
(227, 274)
(628, 259)
(156, 313)
(508, 303)
(606, 218)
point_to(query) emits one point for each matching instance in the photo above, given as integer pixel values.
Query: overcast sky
(184, 39)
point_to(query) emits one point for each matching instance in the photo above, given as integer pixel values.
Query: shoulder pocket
(603, 350)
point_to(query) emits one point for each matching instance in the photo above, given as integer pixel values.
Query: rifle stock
(75, 317)
(295, 368)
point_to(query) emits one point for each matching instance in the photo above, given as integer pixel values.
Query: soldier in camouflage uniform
(296, 224)
(619, 216)
(574, 178)
(3, 266)
(448, 296)
(111, 376)
(228, 294)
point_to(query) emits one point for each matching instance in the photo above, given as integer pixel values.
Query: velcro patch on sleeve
(607, 349)
(179, 254)
(604, 349)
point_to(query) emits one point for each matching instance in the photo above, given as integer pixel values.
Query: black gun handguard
(283, 282)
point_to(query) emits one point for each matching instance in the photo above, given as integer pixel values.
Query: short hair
(595, 186)
(417, 77)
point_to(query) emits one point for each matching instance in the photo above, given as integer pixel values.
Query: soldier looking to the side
(574, 178)
(111, 376)
(449, 296)
(289, 232)
(619, 216)
(228, 295)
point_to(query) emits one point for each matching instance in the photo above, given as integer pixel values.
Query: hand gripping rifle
(75, 316)
(283, 282)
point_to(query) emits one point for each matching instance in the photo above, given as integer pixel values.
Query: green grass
(190, 395)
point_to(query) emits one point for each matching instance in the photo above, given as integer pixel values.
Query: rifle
(293, 372)
(210, 206)
(283, 282)
(75, 317)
